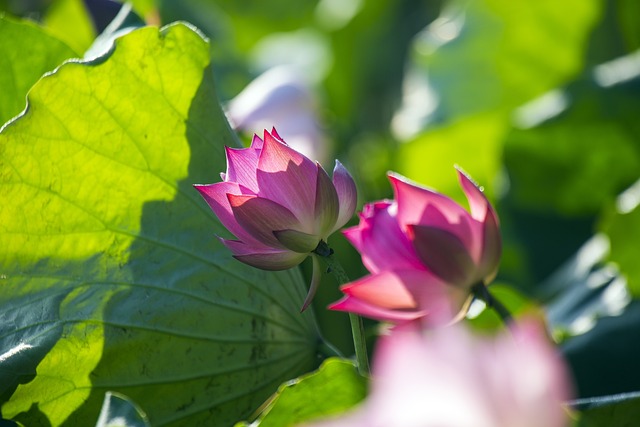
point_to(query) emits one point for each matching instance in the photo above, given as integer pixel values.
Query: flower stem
(357, 328)
(481, 292)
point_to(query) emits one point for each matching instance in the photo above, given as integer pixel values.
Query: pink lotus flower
(279, 204)
(424, 251)
(450, 378)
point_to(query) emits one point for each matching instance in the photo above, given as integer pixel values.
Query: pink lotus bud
(278, 203)
(451, 378)
(424, 252)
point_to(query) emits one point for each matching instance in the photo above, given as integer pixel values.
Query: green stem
(481, 292)
(357, 328)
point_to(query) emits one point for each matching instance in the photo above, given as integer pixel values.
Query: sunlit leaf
(111, 278)
(335, 388)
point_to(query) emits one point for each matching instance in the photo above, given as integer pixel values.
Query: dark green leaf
(623, 229)
(565, 164)
(610, 411)
(584, 290)
(604, 359)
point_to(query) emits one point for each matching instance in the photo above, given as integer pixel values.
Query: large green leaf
(26, 53)
(111, 276)
(333, 389)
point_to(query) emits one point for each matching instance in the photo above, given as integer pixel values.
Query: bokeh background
(538, 100)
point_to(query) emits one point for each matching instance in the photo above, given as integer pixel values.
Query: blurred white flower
(281, 98)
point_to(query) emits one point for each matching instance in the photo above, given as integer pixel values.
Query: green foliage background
(111, 278)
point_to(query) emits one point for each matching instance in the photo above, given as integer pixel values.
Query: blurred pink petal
(451, 378)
